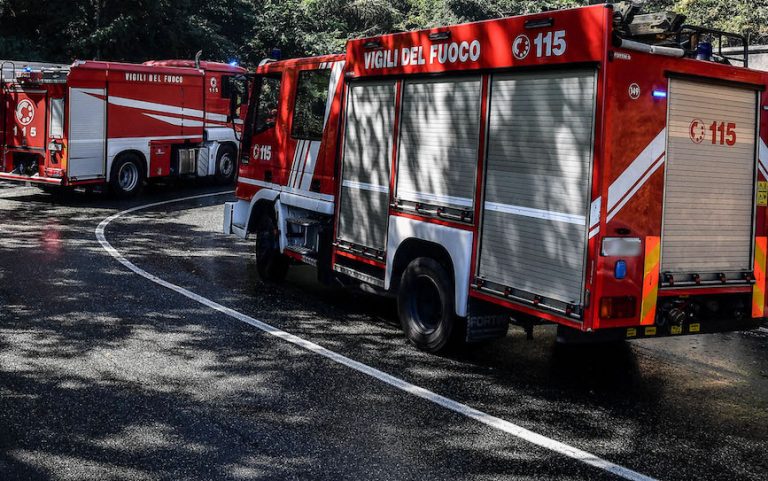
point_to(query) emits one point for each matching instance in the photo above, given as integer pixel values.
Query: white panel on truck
(366, 163)
(535, 216)
(87, 133)
(439, 137)
(709, 180)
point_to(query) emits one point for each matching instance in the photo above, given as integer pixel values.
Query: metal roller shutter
(539, 158)
(709, 186)
(367, 157)
(439, 136)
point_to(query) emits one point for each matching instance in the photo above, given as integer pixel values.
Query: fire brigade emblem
(521, 47)
(697, 131)
(213, 83)
(25, 112)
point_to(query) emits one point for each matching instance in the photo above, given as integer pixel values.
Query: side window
(311, 97)
(266, 107)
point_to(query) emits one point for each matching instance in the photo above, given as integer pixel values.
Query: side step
(302, 254)
(360, 276)
(303, 221)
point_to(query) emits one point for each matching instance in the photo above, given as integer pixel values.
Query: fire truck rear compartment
(708, 231)
(534, 226)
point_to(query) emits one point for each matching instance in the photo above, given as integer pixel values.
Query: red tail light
(622, 307)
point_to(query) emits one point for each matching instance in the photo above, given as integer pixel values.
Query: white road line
(455, 406)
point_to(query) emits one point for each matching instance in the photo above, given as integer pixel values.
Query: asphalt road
(106, 375)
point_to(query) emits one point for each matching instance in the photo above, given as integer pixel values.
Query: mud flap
(486, 322)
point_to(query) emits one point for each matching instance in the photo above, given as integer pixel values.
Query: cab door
(262, 158)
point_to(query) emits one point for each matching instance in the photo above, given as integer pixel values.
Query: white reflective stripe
(259, 183)
(282, 188)
(302, 163)
(140, 104)
(176, 120)
(384, 189)
(594, 232)
(536, 213)
(636, 170)
(594, 212)
(338, 67)
(637, 186)
(762, 158)
(298, 157)
(309, 168)
(434, 198)
(216, 117)
(144, 140)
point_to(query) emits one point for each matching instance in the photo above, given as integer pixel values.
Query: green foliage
(247, 30)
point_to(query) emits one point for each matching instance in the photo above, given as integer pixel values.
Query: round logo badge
(213, 82)
(697, 131)
(25, 112)
(521, 47)
(634, 91)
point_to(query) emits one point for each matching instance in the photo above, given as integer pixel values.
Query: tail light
(622, 307)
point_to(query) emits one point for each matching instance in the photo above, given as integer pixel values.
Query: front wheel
(425, 304)
(127, 176)
(226, 165)
(271, 265)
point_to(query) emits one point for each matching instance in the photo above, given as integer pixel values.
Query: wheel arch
(263, 201)
(452, 247)
(143, 163)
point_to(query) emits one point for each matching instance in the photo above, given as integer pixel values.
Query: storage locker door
(439, 135)
(367, 157)
(87, 139)
(537, 182)
(708, 198)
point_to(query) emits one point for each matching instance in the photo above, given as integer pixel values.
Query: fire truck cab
(562, 167)
(120, 124)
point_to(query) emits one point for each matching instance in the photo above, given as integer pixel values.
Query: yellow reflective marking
(676, 330)
(694, 327)
(762, 193)
(758, 288)
(650, 331)
(650, 279)
(631, 332)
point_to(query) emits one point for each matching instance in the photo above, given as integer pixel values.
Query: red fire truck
(592, 167)
(104, 122)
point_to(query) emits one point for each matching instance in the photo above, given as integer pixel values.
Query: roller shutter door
(439, 136)
(539, 157)
(367, 157)
(709, 185)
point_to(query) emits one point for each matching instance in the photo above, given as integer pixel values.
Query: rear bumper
(34, 180)
(572, 336)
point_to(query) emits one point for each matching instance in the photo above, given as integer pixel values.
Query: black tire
(426, 306)
(271, 265)
(127, 176)
(226, 165)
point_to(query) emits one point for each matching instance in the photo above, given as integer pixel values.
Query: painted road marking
(455, 406)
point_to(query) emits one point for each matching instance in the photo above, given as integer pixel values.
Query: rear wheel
(271, 265)
(226, 164)
(127, 176)
(426, 304)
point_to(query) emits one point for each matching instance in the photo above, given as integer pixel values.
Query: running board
(360, 276)
(302, 254)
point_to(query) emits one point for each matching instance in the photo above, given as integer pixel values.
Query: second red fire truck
(95, 123)
(589, 167)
